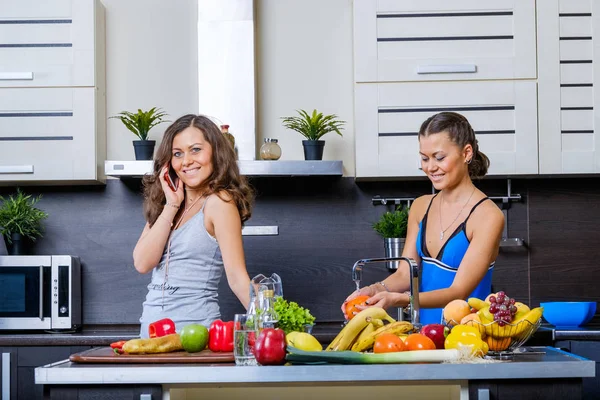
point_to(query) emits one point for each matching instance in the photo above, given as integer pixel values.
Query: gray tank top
(195, 269)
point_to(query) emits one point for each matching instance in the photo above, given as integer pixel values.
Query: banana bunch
(368, 320)
(366, 342)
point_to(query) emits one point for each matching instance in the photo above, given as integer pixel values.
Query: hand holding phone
(171, 178)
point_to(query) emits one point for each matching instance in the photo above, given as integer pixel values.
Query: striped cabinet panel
(569, 39)
(51, 134)
(503, 114)
(430, 40)
(51, 43)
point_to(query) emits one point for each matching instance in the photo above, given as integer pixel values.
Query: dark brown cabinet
(18, 369)
(591, 351)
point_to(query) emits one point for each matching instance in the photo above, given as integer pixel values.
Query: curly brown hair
(225, 177)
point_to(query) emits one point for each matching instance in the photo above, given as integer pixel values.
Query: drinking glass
(245, 332)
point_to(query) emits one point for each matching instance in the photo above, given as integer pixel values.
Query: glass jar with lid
(270, 150)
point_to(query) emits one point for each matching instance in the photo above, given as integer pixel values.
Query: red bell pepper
(162, 327)
(270, 347)
(220, 336)
(118, 346)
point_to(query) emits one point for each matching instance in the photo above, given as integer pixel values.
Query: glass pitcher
(261, 282)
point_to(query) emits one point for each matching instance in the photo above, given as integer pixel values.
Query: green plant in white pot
(313, 127)
(20, 220)
(140, 124)
(392, 227)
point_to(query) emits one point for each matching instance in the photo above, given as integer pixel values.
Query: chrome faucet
(413, 267)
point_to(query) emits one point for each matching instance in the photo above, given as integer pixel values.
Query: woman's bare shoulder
(488, 213)
(421, 203)
(221, 200)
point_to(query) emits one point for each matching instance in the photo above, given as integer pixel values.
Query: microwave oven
(40, 293)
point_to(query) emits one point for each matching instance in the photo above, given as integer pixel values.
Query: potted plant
(313, 127)
(392, 227)
(20, 219)
(140, 124)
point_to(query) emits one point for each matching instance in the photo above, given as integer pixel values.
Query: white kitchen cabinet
(569, 61)
(48, 43)
(389, 115)
(431, 40)
(52, 91)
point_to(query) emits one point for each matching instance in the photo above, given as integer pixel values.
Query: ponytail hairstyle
(461, 133)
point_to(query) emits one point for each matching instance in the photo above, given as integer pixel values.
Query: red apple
(270, 347)
(437, 333)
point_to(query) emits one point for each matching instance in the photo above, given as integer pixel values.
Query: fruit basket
(504, 339)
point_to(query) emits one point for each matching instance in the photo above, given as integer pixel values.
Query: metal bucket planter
(393, 248)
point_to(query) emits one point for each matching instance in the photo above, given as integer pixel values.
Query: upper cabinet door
(48, 43)
(569, 40)
(389, 115)
(429, 40)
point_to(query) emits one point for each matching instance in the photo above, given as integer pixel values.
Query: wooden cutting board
(107, 355)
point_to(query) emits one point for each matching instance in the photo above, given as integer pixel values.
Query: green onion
(352, 357)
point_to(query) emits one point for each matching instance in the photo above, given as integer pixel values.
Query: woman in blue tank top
(454, 234)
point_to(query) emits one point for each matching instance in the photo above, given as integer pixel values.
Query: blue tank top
(439, 272)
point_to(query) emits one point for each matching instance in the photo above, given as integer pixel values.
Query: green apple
(194, 337)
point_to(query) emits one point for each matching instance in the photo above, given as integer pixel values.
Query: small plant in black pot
(140, 124)
(313, 127)
(392, 227)
(20, 220)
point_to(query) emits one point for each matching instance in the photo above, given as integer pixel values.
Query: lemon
(303, 341)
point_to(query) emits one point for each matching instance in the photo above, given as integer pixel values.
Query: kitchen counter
(554, 366)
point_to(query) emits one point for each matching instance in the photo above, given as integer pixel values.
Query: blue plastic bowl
(569, 314)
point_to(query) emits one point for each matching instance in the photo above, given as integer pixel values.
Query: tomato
(417, 341)
(351, 306)
(388, 343)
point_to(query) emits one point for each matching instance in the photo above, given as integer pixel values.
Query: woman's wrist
(173, 205)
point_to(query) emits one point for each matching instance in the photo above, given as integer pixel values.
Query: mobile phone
(171, 178)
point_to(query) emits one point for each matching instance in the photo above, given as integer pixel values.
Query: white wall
(304, 60)
(151, 60)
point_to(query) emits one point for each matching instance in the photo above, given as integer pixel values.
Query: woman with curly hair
(194, 232)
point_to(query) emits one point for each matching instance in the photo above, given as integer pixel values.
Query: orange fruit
(455, 311)
(417, 341)
(473, 320)
(388, 343)
(351, 306)
(498, 344)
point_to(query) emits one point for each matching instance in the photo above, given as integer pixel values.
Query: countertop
(553, 364)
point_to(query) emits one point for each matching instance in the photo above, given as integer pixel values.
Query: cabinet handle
(446, 69)
(41, 305)
(16, 169)
(5, 376)
(483, 394)
(16, 76)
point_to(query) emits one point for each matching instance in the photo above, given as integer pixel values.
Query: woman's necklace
(457, 215)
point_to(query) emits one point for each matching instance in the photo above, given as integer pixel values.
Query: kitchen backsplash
(324, 227)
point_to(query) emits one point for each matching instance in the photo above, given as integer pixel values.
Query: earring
(469, 161)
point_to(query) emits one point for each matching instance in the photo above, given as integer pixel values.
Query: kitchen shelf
(257, 168)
